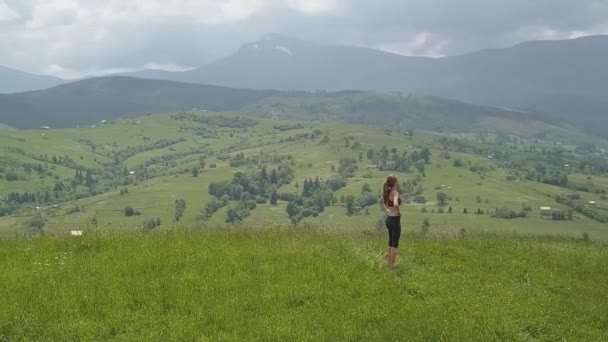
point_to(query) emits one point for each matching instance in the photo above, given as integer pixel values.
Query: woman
(391, 201)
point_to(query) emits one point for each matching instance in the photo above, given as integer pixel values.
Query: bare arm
(395, 198)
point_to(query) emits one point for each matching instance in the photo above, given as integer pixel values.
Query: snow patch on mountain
(284, 49)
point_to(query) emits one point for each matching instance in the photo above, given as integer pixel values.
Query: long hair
(389, 185)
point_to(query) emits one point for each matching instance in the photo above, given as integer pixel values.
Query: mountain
(533, 76)
(91, 100)
(14, 81)
(278, 62)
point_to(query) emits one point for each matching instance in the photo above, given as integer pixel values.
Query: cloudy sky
(71, 38)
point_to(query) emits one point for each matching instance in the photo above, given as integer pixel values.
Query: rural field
(360, 171)
(147, 164)
(302, 284)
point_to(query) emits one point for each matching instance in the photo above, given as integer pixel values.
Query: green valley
(208, 169)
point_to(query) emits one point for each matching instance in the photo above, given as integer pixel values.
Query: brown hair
(389, 185)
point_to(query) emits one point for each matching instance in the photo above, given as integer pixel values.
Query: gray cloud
(78, 37)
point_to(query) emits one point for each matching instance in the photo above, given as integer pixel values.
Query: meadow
(156, 185)
(301, 284)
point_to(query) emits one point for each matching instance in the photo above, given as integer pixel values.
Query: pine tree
(89, 181)
(274, 177)
(274, 198)
(264, 173)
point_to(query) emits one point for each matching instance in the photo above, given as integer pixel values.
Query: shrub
(129, 211)
(426, 224)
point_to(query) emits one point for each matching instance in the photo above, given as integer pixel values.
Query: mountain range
(92, 100)
(103, 98)
(564, 80)
(14, 81)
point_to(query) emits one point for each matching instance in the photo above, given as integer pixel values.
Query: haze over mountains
(565, 80)
(105, 98)
(14, 81)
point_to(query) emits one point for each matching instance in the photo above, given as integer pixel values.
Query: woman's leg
(395, 231)
(390, 238)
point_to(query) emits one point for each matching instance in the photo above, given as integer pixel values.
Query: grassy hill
(90, 101)
(302, 285)
(147, 164)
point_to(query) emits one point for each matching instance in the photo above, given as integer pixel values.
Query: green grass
(156, 197)
(300, 285)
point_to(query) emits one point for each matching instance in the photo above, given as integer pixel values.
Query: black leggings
(393, 223)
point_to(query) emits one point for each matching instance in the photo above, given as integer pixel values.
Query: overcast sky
(70, 38)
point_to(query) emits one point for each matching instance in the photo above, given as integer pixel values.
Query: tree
(342, 199)
(274, 197)
(195, 171)
(350, 205)
(442, 197)
(274, 177)
(465, 211)
(426, 224)
(180, 207)
(292, 209)
(89, 181)
(420, 166)
(366, 188)
(425, 154)
(333, 168)
(264, 173)
(129, 211)
(201, 162)
(37, 222)
(370, 154)
(450, 210)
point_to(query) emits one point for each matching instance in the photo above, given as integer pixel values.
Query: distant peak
(275, 36)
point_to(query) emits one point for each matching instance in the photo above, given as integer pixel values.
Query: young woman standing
(391, 201)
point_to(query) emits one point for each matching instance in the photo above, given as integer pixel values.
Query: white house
(76, 233)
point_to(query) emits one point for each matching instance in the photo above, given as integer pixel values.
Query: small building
(420, 200)
(546, 213)
(103, 122)
(592, 203)
(45, 127)
(76, 233)
(131, 173)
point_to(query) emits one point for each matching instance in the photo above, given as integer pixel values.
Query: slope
(92, 100)
(89, 101)
(301, 285)
(180, 156)
(528, 76)
(14, 81)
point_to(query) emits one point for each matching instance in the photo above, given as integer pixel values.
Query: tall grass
(301, 285)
